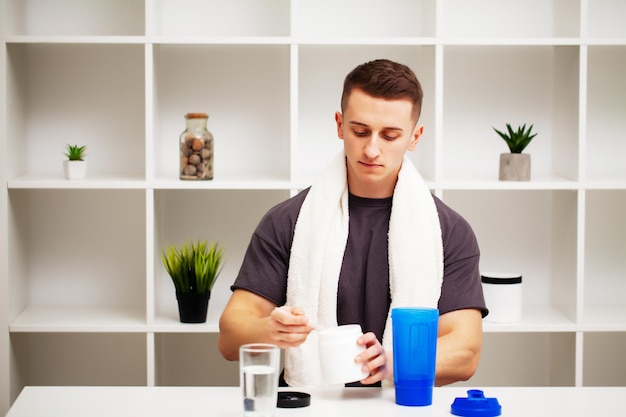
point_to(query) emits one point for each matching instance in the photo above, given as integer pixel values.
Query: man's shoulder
(289, 207)
(459, 239)
(449, 218)
(285, 213)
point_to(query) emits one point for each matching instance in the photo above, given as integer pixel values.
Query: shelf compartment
(39, 182)
(77, 248)
(227, 217)
(605, 264)
(532, 233)
(488, 182)
(215, 18)
(192, 360)
(606, 106)
(78, 359)
(75, 17)
(386, 19)
(526, 360)
(603, 359)
(535, 318)
(245, 91)
(489, 86)
(605, 19)
(245, 182)
(70, 93)
(494, 19)
(319, 97)
(604, 318)
(79, 319)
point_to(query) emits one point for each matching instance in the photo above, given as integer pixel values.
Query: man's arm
(458, 346)
(250, 318)
(459, 343)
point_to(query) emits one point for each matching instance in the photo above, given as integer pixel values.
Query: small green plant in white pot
(75, 167)
(515, 166)
(194, 268)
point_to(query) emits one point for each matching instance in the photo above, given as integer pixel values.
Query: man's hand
(374, 359)
(288, 326)
(250, 318)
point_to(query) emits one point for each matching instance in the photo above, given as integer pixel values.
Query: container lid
(476, 405)
(293, 399)
(196, 115)
(501, 278)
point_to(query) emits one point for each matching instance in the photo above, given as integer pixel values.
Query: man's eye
(361, 132)
(390, 137)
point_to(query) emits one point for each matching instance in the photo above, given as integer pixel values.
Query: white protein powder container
(338, 348)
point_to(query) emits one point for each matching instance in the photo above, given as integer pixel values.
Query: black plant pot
(192, 307)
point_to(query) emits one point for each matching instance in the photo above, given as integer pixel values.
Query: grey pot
(514, 167)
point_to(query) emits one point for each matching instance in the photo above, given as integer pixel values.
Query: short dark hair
(386, 79)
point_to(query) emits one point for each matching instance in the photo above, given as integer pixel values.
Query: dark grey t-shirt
(363, 295)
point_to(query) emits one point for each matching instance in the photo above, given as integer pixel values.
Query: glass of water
(259, 365)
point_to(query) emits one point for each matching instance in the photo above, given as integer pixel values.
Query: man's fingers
(290, 316)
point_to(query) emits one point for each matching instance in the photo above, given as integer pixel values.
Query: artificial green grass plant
(194, 267)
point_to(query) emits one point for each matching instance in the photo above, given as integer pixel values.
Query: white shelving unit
(87, 299)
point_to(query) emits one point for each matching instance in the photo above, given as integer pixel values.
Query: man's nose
(371, 147)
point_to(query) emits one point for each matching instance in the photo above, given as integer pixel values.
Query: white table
(326, 402)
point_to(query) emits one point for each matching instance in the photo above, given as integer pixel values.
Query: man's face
(376, 134)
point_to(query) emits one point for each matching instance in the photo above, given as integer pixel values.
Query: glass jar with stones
(196, 149)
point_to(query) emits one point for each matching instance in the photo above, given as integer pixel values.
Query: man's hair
(385, 79)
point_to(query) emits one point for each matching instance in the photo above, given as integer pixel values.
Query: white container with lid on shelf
(503, 295)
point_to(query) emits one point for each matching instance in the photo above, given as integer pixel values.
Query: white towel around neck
(321, 234)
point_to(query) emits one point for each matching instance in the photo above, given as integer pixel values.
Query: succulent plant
(75, 152)
(517, 140)
(193, 267)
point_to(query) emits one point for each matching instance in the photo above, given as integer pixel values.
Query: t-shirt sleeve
(266, 261)
(263, 271)
(461, 287)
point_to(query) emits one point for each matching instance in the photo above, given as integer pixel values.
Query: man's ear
(339, 122)
(417, 133)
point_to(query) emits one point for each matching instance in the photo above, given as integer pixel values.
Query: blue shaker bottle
(414, 354)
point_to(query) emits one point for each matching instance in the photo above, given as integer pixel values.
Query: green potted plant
(515, 166)
(75, 167)
(194, 268)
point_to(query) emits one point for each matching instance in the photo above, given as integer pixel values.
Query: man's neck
(374, 190)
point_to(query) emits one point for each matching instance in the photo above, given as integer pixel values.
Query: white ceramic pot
(75, 170)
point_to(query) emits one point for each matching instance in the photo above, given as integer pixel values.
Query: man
(367, 236)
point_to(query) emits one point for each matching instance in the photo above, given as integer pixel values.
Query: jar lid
(196, 115)
(500, 278)
(293, 399)
(476, 405)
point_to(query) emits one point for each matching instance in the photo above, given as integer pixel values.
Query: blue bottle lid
(476, 405)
